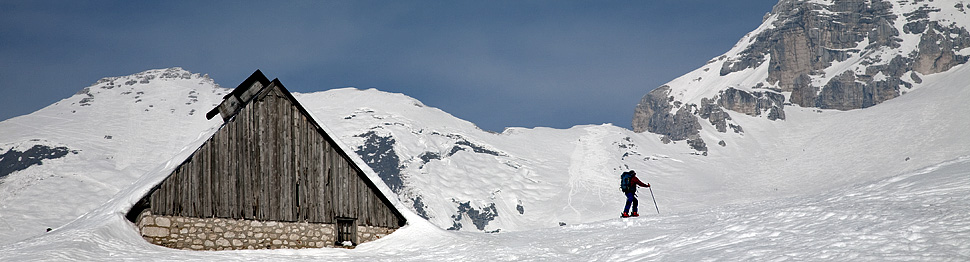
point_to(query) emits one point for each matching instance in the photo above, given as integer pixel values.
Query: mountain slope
(570, 175)
(840, 55)
(460, 177)
(884, 182)
(115, 130)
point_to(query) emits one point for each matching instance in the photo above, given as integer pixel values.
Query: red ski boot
(625, 215)
(635, 214)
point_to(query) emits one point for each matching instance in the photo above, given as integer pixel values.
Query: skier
(628, 184)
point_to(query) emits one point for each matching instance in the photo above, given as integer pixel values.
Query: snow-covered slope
(458, 176)
(885, 182)
(827, 55)
(916, 216)
(528, 178)
(114, 132)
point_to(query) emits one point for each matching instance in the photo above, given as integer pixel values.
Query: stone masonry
(233, 234)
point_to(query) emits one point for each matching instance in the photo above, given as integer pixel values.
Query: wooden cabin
(269, 177)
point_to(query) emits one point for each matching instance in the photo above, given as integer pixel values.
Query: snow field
(884, 183)
(915, 216)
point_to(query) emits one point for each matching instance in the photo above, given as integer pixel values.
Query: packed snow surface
(920, 215)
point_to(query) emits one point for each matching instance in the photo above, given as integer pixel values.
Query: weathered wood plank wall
(270, 162)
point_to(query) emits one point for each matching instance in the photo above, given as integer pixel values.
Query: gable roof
(244, 94)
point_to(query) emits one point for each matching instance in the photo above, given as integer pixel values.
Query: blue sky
(495, 63)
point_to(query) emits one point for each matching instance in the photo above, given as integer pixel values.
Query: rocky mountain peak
(147, 76)
(826, 54)
(143, 85)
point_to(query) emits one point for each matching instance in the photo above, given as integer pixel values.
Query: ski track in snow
(587, 160)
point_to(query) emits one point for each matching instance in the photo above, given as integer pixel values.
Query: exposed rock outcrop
(715, 114)
(655, 111)
(753, 104)
(937, 47)
(807, 37)
(683, 124)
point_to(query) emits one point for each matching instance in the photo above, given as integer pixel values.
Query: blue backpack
(626, 183)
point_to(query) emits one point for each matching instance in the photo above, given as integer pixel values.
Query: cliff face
(842, 55)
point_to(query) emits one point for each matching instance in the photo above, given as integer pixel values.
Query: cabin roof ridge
(240, 96)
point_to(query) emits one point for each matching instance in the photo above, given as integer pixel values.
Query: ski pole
(654, 200)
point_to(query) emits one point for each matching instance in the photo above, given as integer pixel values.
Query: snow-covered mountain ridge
(451, 172)
(458, 176)
(884, 183)
(840, 55)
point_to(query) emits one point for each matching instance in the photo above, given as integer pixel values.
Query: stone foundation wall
(232, 234)
(369, 233)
